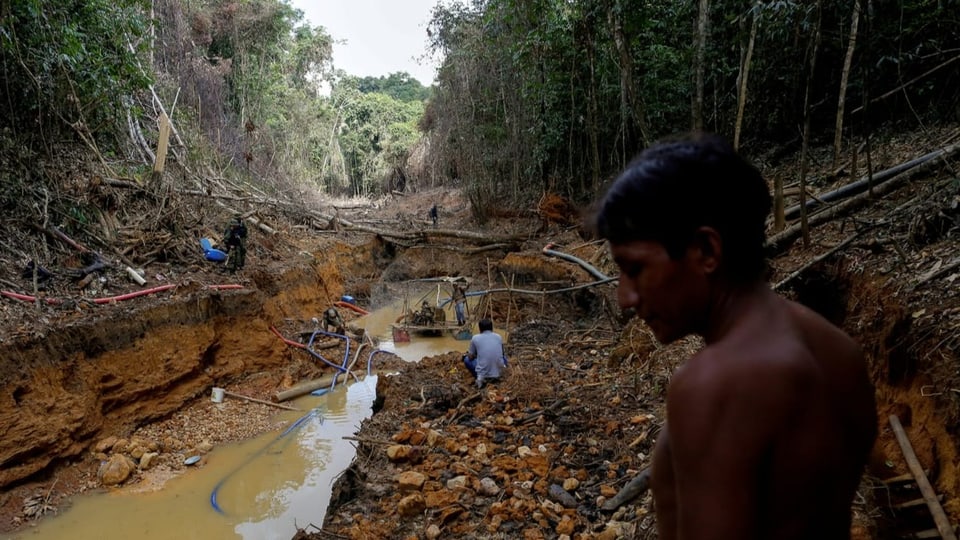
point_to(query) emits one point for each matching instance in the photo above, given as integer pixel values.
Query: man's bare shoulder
(764, 380)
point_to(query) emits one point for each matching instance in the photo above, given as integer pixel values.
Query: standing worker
(459, 298)
(235, 238)
(434, 214)
(770, 424)
(485, 358)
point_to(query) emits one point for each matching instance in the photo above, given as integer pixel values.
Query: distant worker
(333, 322)
(459, 298)
(235, 239)
(485, 358)
(434, 214)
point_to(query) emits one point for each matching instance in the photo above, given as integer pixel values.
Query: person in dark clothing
(434, 214)
(333, 321)
(235, 239)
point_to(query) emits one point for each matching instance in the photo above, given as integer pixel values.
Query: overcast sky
(380, 36)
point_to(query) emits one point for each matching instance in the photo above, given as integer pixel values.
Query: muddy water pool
(263, 488)
(260, 489)
(378, 325)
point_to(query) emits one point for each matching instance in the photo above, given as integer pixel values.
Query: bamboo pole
(939, 516)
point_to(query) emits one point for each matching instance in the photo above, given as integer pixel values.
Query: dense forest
(531, 96)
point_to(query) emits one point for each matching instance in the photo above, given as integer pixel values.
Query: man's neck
(729, 305)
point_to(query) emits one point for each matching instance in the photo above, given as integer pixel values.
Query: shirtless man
(769, 426)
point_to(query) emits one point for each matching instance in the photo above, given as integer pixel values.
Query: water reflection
(273, 484)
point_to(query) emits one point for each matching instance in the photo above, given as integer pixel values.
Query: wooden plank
(164, 140)
(914, 503)
(904, 478)
(939, 516)
(929, 533)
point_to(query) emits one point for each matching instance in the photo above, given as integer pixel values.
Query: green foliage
(376, 135)
(558, 95)
(400, 86)
(70, 63)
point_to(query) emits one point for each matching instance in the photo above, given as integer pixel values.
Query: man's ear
(708, 246)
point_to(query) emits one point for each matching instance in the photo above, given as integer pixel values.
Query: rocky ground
(543, 453)
(549, 452)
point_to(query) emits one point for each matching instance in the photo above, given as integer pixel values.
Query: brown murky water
(264, 488)
(378, 324)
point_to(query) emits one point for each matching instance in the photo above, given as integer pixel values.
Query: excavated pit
(139, 362)
(902, 371)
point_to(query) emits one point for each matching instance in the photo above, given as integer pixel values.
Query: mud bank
(138, 362)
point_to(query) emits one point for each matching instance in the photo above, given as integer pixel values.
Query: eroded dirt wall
(135, 364)
(906, 377)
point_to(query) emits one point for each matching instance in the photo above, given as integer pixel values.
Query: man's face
(668, 294)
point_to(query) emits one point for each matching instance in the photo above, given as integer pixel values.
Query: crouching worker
(485, 358)
(333, 322)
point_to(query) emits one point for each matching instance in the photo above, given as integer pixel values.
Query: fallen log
(939, 516)
(583, 264)
(540, 293)
(781, 240)
(796, 273)
(303, 388)
(876, 179)
(466, 251)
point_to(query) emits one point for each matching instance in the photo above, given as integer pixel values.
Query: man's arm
(724, 416)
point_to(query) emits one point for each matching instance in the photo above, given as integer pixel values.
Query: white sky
(381, 36)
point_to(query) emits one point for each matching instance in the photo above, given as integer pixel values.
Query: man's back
(769, 429)
(487, 348)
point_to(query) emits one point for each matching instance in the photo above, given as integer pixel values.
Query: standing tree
(805, 145)
(745, 73)
(844, 77)
(700, 48)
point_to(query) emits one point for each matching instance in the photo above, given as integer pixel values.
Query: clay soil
(534, 456)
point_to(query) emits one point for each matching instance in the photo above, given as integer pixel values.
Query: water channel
(265, 488)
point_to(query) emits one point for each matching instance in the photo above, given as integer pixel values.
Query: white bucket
(217, 395)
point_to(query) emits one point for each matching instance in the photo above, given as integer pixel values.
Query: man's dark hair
(672, 188)
(485, 324)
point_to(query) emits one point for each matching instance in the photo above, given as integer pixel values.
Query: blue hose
(342, 368)
(346, 355)
(369, 358)
(293, 427)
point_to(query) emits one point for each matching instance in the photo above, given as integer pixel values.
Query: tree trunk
(700, 48)
(592, 125)
(744, 76)
(631, 102)
(844, 77)
(815, 46)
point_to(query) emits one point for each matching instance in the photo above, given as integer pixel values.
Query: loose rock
(489, 487)
(412, 505)
(410, 481)
(114, 471)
